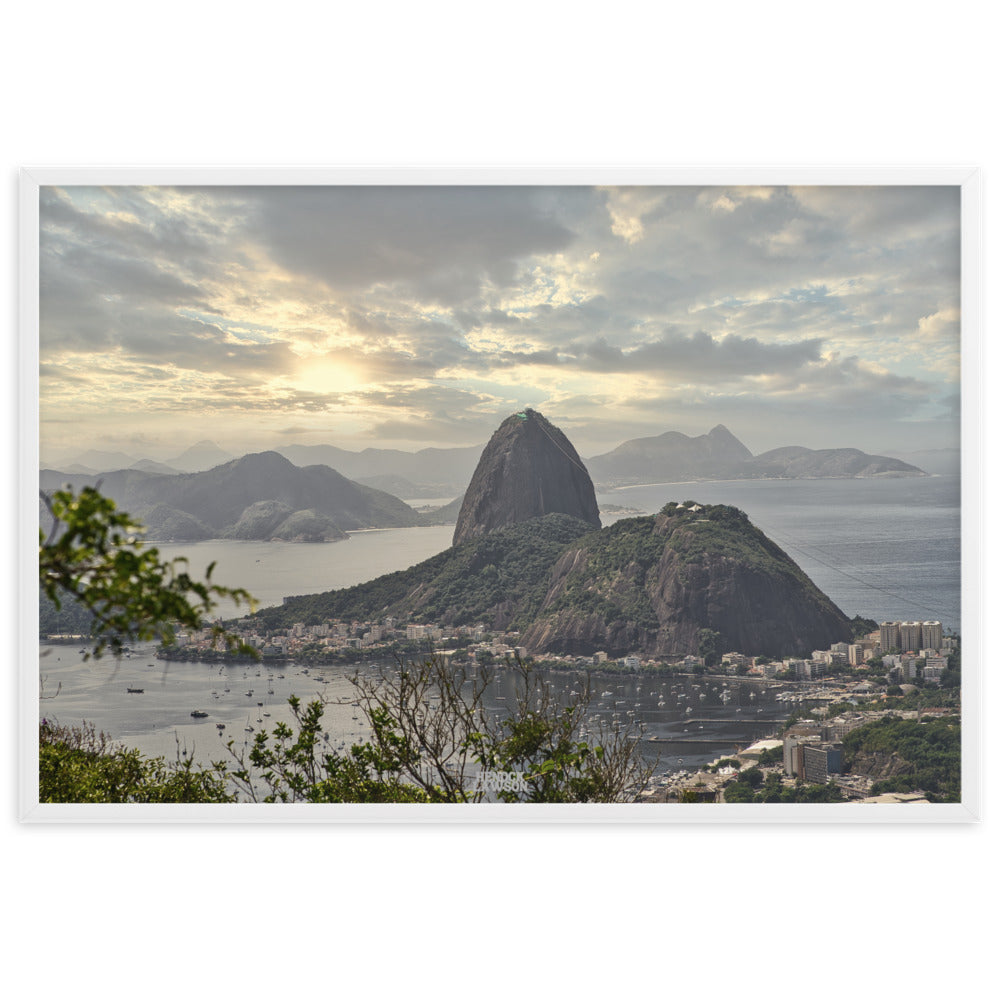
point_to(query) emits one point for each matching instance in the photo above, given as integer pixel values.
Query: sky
(412, 316)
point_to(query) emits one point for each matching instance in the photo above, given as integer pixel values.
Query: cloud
(441, 243)
(434, 311)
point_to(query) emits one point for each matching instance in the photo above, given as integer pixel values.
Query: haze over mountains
(445, 472)
(673, 457)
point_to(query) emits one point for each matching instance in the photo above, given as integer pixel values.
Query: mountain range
(261, 496)
(445, 472)
(719, 454)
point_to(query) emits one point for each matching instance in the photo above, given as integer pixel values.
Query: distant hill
(104, 461)
(200, 457)
(828, 463)
(936, 461)
(398, 486)
(148, 465)
(258, 496)
(432, 472)
(448, 514)
(675, 457)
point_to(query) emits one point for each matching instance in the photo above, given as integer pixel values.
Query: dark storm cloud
(441, 242)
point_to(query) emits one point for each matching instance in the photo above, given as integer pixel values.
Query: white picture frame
(969, 810)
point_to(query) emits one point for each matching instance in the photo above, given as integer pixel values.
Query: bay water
(884, 549)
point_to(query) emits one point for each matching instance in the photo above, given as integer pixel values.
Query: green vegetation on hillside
(861, 627)
(931, 750)
(721, 532)
(78, 764)
(752, 786)
(612, 585)
(460, 586)
(726, 532)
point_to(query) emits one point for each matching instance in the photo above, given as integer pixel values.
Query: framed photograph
(581, 495)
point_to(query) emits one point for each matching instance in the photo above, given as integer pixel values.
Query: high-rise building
(888, 636)
(909, 636)
(792, 753)
(819, 762)
(931, 634)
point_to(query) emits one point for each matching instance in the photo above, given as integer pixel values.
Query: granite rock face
(528, 469)
(665, 585)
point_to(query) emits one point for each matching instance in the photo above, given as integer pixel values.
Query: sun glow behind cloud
(405, 317)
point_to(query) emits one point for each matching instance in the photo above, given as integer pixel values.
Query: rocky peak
(528, 469)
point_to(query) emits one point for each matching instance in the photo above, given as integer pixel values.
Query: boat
(220, 725)
(134, 690)
(199, 714)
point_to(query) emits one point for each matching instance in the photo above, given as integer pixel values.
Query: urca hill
(528, 555)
